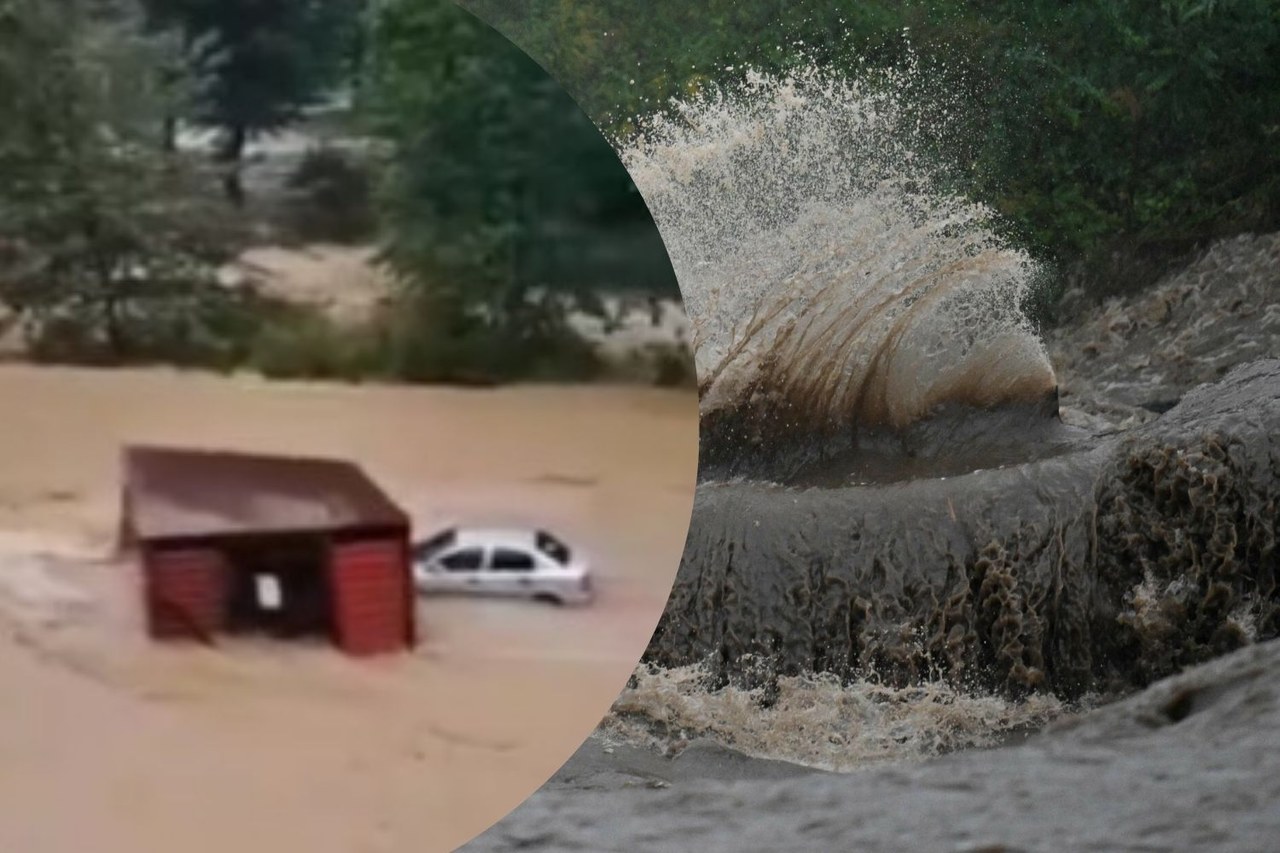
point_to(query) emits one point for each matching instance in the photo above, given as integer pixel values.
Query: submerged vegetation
(499, 208)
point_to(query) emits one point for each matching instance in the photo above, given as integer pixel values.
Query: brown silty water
(888, 495)
(113, 743)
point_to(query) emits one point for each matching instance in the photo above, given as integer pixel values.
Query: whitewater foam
(818, 721)
(825, 272)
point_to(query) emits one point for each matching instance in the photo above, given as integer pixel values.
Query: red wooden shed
(235, 542)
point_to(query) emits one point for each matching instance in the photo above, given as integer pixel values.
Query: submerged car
(509, 563)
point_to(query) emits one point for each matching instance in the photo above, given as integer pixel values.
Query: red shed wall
(372, 594)
(186, 592)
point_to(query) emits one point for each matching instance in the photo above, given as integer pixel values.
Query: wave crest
(823, 270)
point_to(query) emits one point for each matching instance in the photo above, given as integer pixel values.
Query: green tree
(496, 186)
(97, 244)
(1112, 136)
(258, 63)
(1152, 127)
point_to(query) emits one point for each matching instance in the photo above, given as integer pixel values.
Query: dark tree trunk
(233, 147)
(169, 134)
(116, 339)
(232, 155)
(656, 311)
(233, 186)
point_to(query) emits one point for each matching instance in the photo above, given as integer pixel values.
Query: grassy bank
(236, 330)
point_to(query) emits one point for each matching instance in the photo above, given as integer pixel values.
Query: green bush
(414, 346)
(193, 326)
(674, 367)
(307, 345)
(332, 198)
(666, 365)
(436, 342)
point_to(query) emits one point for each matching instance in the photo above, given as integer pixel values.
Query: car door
(512, 570)
(460, 570)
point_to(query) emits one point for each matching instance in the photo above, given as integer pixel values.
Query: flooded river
(112, 744)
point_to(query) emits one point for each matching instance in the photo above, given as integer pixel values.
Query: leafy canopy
(502, 199)
(258, 63)
(1112, 135)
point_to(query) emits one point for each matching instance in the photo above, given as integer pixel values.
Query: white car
(513, 563)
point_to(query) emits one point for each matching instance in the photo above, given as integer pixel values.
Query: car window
(553, 547)
(435, 544)
(466, 560)
(511, 560)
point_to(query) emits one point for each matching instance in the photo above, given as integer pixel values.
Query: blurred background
(314, 190)
(290, 227)
(1113, 139)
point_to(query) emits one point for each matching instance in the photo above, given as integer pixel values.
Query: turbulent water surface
(888, 490)
(1189, 764)
(834, 292)
(1097, 569)
(915, 542)
(890, 503)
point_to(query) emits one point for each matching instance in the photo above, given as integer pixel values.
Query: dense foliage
(503, 204)
(102, 244)
(500, 206)
(257, 63)
(1114, 136)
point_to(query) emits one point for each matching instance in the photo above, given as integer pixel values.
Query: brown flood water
(112, 744)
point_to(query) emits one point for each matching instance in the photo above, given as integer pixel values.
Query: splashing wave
(830, 282)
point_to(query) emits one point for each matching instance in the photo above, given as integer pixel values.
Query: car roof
(496, 536)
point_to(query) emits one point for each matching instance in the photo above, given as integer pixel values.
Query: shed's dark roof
(177, 493)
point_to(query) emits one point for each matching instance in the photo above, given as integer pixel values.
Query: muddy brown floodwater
(109, 743)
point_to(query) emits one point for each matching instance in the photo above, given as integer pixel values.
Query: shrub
(198, 327)
(332, 198)
(441, 344)
(674, 366)
(307, 345)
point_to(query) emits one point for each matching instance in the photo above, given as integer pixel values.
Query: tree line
(1112, 136)
(498, 206)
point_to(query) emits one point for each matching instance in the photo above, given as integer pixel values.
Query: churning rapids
(900, 545)
(886, 486)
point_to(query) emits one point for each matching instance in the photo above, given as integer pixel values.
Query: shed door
(372, 596)
(186, 593)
